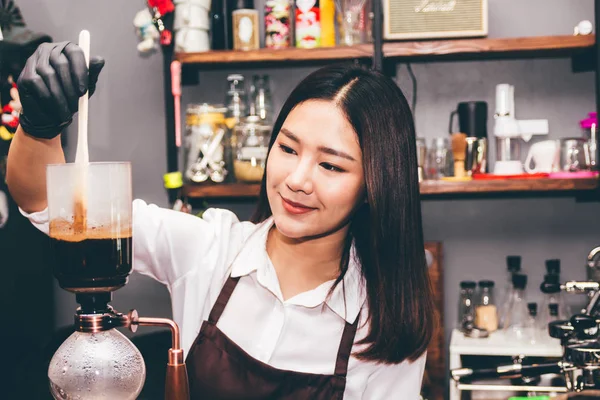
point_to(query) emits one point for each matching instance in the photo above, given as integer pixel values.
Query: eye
(287, 149)
(332, 168)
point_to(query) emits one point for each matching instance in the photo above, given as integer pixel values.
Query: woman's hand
(50, 85)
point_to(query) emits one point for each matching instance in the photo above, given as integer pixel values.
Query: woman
(325, 295)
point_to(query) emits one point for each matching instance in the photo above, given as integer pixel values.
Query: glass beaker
(517, 316)
(89, 208)
(351, 28)
(438, 163)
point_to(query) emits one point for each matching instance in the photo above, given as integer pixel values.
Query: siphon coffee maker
(90, 213)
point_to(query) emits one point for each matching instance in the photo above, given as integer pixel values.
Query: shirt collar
(346, 300)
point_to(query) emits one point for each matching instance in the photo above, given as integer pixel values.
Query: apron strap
(222, 300)
(343, 356)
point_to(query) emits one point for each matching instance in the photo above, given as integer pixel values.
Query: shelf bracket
(377, 35)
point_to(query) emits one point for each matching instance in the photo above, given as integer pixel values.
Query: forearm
(26, 169)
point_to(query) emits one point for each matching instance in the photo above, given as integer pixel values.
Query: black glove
(50, 85)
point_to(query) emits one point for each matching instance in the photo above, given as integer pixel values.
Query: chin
(294, 229)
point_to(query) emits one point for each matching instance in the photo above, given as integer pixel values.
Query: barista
(325, 294)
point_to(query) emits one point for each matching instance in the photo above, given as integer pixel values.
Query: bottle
(550, 287)
(513, 266)
(327, 10)
(486, 316)
(247, 6)
(245, 29)
(307, 24)
(532, 330)
(516, 317)
(277, 24)
(218, 25)
(553, 267)
(466, 311)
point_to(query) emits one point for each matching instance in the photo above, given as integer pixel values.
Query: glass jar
(235, 100)
(252, 141)
(466, 311)
(486, 314)
(205, 143)
(261, 103)
(590, 133)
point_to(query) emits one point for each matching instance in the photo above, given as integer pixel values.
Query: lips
(295, 208)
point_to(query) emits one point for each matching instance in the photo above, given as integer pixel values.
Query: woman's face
(315, 177)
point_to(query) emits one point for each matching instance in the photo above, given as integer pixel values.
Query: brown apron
(220, 369)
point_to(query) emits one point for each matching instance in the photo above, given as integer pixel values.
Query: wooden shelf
(476, 49)
(428, 188)
(473, 49)
(272, 56)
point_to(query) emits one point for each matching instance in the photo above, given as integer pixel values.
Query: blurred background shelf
(467, 49)
(428, 188)
(224, 190)
(509, 186)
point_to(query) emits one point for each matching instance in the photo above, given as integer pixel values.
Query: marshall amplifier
(429, 19)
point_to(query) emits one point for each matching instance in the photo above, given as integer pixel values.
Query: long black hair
(386, 229)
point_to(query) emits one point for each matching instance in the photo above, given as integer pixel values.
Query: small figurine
(146, 31)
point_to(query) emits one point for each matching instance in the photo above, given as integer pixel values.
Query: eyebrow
(323, 149)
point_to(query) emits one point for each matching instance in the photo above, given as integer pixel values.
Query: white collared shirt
(194, 256)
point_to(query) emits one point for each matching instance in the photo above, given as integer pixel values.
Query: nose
(300, 178)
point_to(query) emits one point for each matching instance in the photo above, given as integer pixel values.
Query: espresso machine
(579, 337)
(90, 213)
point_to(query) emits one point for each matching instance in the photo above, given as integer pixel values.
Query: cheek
(343, 192)
(273, 172)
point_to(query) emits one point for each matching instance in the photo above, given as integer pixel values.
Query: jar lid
(253, 122)
(486, 284)
(235, 77)
(468, 285)
(253, 119)
(204, 108)
(532, 307)
(519, 281)
(587, 123)
(513, 263)
(553, 266)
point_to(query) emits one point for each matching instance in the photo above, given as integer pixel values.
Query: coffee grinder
(510, 132)
(91, 234)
